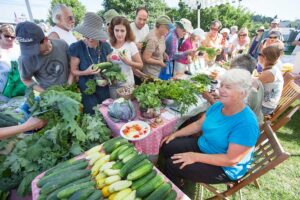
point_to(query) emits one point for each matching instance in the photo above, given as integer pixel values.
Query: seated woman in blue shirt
(86, 53)
(229, 133)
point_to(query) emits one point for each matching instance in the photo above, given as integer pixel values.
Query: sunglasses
(260, 31)
(273, 37)
(10, 36)
(243, 35)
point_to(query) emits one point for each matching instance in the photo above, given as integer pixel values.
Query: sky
(284, 9)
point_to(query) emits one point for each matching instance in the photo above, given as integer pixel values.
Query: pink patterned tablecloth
(150, 144)
(35, 189)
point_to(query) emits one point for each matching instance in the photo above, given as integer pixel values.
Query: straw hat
(91, 27)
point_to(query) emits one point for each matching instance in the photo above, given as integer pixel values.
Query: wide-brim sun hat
(92, 27)
(185, 24)
(225, 30)
(198, 32)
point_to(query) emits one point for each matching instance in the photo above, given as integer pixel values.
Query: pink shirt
(186, 45)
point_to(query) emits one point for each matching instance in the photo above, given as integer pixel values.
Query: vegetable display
(211, 52)
(134, 179)
(121, 110)
(68, 133)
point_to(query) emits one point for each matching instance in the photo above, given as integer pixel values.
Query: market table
(35, 190)
(150, 144)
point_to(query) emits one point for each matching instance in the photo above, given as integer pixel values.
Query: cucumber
(114, 154)
(130, 156)
(132, 162)
(64, 180)
(61, 172)
(171, 195)
(149, 187)
(140, 172)
(102, 66)
(53, 195)
(143, 180)
(125, 153)
(82, 194)
(110, 145)
(66, 193)
(117, 165)
(161, 192)
(7, 120)
(63, 165)
(96, 195)
(142, 163)
(42, 197)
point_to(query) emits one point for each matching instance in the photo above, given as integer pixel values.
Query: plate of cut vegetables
(135, 130)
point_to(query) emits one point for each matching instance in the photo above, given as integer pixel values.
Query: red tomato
(136, 136)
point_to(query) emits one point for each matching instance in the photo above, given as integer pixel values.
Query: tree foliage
(77, 8)
(128, 7)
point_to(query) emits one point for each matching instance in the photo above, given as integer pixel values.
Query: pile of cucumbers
(113, 170)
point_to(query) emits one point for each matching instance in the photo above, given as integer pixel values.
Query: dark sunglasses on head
(10, 36)
(273, 37)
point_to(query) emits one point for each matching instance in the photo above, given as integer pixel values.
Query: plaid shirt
(172, 42)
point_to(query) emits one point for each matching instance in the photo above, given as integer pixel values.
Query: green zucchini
(142, 163)
(143, 180)
(114, 154)
(149, 187)
(171, 195)
(53, 195)
(82, 194)
(63, 165)
(130, 156)
(140, 172)
(59, 173)
(96, 195)
(161, 192)
(117, 165)
(102, 66)
(62, 181)
(125, 153)
(110, 145)
(66, 193)
(132, 162)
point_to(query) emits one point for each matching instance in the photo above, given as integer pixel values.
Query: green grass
(282, 183)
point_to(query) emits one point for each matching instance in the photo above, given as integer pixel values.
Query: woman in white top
(125, 52)
(241, 44)
(271, 78)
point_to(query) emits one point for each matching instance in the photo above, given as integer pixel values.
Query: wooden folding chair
(268, 154)
(290, 93)
(287, 77)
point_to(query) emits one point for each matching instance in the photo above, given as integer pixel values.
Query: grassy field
(282, 183)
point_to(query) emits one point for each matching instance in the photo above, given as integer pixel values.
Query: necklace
(98, 52)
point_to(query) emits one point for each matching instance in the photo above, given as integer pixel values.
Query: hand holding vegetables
(91, 70)
(123, 56)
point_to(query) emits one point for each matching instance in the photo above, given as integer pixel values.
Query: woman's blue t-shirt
(220, 130)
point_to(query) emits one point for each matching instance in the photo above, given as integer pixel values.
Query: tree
(77, 8)
(128, 7)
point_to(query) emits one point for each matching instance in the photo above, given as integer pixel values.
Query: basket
(125, 92)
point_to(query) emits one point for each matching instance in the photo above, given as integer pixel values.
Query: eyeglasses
(243, 35)
(273, 37)
(10, 36)
(260, 31)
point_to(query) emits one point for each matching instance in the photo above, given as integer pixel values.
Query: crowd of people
(230, 127)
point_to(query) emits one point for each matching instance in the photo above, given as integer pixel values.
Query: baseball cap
(29, 36)
(163, 19)
(185, 24)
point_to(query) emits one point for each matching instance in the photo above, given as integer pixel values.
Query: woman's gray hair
(238, 77)
(56, 11)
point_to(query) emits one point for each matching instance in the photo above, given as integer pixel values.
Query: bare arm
(234, 155)
(295, 43)
(29, 82)
(136, 61)
(266, 77)
(147, 55)
(53, 35)
(31, 124)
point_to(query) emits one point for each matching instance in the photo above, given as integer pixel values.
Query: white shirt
(140, 34)
(130, 49)
(232, 37)
(67, 36)
(6, 56)
(297, 48)
(273, 90)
